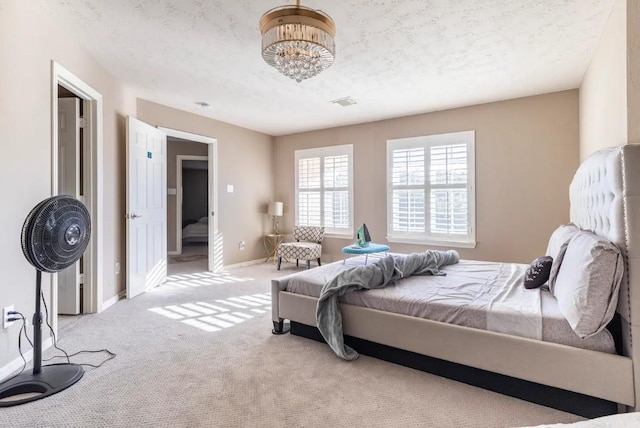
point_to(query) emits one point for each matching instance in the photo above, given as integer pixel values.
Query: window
(431, 190)
(324, 189)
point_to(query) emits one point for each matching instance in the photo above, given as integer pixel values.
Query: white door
(69, 184)
(146, 207)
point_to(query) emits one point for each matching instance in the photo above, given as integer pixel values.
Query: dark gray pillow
(538, 272)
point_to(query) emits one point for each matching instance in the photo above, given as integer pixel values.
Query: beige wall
(633, 71)
(526, 154)
(175, 148)
(30, 40)
(603, 93)
(244, 161)
(610, 90)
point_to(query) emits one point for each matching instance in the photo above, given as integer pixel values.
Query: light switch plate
(229, 188)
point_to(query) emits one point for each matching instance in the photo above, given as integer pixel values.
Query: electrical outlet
(241, 245)
(117, 268)
(6, 316)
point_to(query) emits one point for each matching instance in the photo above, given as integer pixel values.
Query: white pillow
(588, 282)
(556, 247)
(560, 236)
(203, 220)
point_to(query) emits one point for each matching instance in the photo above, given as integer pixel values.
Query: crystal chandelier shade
(297, 41)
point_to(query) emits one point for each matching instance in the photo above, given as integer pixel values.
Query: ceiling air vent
(344, 102)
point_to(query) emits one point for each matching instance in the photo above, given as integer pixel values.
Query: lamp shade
(276, 209)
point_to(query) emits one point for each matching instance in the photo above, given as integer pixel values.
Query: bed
(196, 232)
(605, 200)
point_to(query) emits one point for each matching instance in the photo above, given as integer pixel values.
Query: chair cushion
(300, 250)
(308, 233)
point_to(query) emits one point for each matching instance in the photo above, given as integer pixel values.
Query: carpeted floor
(198, 352)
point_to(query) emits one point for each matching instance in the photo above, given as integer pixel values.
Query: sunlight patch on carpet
(199, 279)
(223, 314)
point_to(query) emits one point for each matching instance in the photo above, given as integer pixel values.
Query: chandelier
(297, 41)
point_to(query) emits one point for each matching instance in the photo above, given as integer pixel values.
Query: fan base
(28, 387)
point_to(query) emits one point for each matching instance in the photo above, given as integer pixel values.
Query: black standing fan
(54, 236)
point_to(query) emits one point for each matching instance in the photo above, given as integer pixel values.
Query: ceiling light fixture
(297, 41)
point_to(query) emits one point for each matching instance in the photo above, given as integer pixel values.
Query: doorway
(193, 239)
(87, 160)
(71, 166)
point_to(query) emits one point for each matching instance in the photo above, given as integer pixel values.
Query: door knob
(134, 216)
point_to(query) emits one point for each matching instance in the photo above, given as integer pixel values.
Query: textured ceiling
(395, 57)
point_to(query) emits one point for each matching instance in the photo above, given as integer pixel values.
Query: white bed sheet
(484, 295)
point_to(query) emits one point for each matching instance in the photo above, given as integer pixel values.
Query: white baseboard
(173, 253)
(14, 365)
(249, 263)
(112, 301)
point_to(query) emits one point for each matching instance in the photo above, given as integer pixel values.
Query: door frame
(179, 159)
(215, 240)
(93, 190)
(70, 142)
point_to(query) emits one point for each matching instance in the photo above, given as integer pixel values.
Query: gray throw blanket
(377, 275)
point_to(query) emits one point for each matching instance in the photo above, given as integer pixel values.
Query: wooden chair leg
(279, 262)
(308, 264)
(319, 263)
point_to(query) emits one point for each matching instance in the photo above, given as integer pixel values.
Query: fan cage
(56, 233)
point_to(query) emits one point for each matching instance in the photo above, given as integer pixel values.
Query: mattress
(196, 232)
(477, 294)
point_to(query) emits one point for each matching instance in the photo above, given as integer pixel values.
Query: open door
(69, 184)
(146, 207)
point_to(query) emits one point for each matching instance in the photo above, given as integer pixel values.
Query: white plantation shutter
(448, 197)
(431, 196)
(408, 197)
(324, 188)
(309, 192)
(336, 191)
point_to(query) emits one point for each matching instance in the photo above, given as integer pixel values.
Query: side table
(271, 243)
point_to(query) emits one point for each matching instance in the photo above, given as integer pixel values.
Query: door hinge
(81, 278)
(82, 122)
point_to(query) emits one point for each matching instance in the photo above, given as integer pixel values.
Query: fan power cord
(110, 354)
(53, 335)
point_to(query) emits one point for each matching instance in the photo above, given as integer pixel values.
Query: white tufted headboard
(605, 199)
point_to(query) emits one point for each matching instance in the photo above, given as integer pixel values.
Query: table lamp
(275, 210)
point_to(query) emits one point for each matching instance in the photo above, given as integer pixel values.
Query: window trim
(427, 238)
(322, 152)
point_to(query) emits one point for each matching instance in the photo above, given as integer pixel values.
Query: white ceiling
(395, 57)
